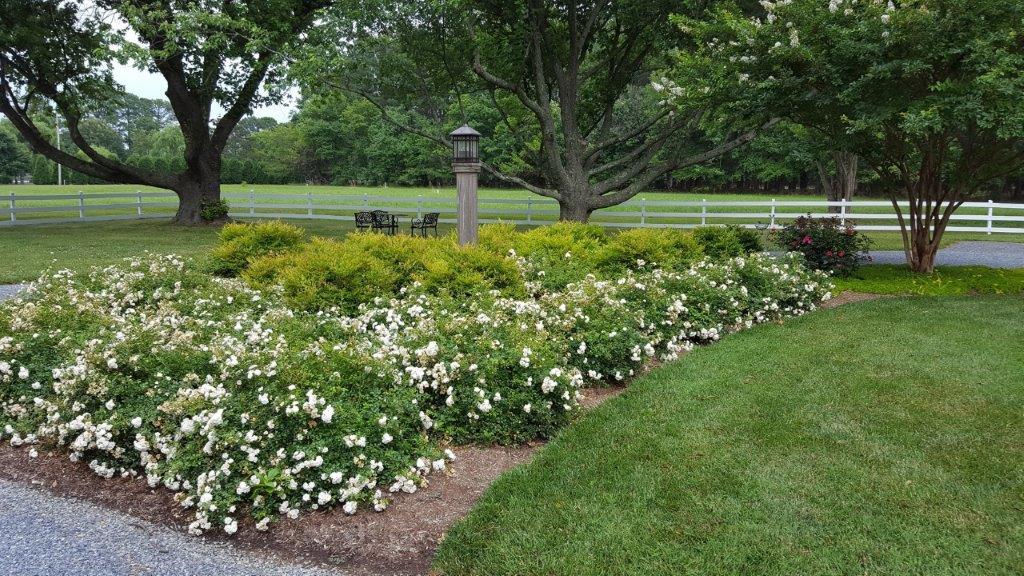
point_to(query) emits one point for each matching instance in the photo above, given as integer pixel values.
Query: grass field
(27, 250)
(878, 438)
(342, 201)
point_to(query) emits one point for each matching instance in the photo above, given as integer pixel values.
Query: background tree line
(335, 138)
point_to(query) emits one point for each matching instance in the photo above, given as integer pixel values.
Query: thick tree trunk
(201, 183)
(191, 197)
(573, 210)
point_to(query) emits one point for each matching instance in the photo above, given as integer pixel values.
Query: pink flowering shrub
(826, 244)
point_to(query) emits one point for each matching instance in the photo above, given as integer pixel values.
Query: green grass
(346, 198)
(877, 438)
(26, 251)
(950, 281)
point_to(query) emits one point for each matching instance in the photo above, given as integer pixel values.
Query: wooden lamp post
(466, 165)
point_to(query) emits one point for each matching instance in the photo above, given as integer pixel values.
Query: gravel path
(47, 535)
(9, 290)
(972, 253)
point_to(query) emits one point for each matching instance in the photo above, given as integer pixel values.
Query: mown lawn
(946, 281)
(342, 200)
(878, 438)
(26, 251)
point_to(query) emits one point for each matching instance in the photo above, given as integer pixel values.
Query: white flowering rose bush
(249, 409)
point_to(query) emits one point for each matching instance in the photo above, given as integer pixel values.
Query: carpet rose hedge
(250, 409)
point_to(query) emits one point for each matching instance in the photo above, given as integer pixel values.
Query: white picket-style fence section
(871, 215)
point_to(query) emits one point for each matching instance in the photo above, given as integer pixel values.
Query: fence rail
(869, 215)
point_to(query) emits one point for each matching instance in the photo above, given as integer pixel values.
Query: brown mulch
(400, 541)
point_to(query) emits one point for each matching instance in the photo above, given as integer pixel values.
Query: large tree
(210, 52)
(929, 93)
(574, 66)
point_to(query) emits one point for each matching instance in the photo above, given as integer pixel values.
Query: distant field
(27, 250)
(294, 200)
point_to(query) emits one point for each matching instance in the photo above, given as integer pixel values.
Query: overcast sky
(150, 85)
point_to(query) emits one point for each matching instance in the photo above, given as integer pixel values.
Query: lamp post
(466, 165)
(56, 127)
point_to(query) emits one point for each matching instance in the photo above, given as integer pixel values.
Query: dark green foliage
(719, 242)
(826, 244)
(748, 238)
(651, 247)
(214, 210)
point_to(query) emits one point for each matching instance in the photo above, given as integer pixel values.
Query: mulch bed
(399, 541)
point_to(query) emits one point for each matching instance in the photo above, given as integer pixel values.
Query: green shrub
(718, 242)
(239, 244)
(562, 253)
(214, 210)
(656, 247)
(826, 243)
(363, 267)
(498, 238)
(749, 239)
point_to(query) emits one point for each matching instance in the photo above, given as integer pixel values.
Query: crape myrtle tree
(929, 93)
(576, 68)
(226, 52)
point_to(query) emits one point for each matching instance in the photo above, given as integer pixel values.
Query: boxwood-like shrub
(364, 267)
(652, 247)
(239, 244)
(719, 241)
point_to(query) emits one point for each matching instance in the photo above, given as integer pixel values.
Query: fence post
(703, 211)
(138, 203)
(309, 203)
(643, 211)
(842, 211)
(772, 224)
(81, 205)
(529, 210)
(252, 202)
(990, 212)
(14, 217)
(419, 206)
(366, 200)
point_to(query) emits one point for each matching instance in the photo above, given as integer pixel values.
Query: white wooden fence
(871, 215)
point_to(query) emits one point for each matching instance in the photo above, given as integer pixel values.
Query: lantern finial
(465, 145)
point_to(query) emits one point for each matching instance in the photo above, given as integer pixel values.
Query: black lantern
(465, 145)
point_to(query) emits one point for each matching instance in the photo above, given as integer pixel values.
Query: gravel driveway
(972, 253)
(46, 535)
(9, 290)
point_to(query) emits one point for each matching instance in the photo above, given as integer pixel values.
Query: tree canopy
(929, 92)
(60, 53)
(570, 82)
